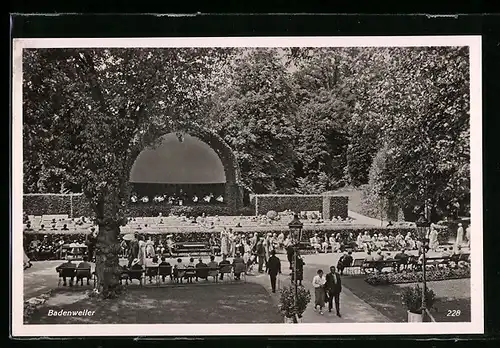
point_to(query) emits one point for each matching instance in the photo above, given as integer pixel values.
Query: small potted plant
(291, 313)
(412, 299)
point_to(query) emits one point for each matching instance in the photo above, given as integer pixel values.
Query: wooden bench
(435, 262)
(305, 247)
(379, 265)
(357, 264)
(192, 248)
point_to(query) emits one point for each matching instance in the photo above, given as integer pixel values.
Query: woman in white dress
(410, 243)
(248, 250)
(232, 243)
(150, 248)
(224, 243)
(433, 239)
(467, 235)
(142, 251)
(460, 235)
(359, 241)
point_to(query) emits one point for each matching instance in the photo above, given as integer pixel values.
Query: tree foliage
(256, 111)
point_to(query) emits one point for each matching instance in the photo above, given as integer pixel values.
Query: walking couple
(328, 287)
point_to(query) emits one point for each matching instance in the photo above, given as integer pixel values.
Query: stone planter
(415, 317)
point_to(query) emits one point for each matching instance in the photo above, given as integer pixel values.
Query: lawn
(194, 304)
(452, 295)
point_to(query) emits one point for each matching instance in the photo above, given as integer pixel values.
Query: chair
(152, 271)
(227, 269)
(135, 274)
(214, 272)
(66, 273)
(241, 269)
(190, 274)
(164, 271)
(202, 273)
(82, 273)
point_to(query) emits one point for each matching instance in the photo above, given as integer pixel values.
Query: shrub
(272, 215)
(287, 301)
(411, 298)
(415, 277)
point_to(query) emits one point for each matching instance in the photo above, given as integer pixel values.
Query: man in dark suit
(333, 287)
(273, 268)
(133, 251)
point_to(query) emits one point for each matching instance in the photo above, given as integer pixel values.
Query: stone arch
(233, 189)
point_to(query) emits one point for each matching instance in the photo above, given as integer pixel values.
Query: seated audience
(315, 243)
(239, 266)
(213, 267)
(402, 259)
(179, 271)
(66, 265)
(189, 275)
(164, 263)
(201, 264)
(369, 256)
(223, 263)
(152, 268)
(81, 271)
(378, 256)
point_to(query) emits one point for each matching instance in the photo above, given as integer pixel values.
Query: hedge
(59, 204)
(329, 205)
(56, 204)
(416, 277)
(308, 232)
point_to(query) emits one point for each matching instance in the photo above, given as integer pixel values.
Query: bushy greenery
(287, 301)
(411, 298)
(417, 276)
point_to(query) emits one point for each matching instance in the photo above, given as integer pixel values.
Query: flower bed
(415, 277)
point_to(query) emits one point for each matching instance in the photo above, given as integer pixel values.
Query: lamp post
(295, 227)
(422, 228)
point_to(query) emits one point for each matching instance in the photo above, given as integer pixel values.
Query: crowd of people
(178, 199)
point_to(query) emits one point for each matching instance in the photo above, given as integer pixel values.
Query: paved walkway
(352, 308)
(365, 220)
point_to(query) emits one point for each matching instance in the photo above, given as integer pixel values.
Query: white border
(476, 326)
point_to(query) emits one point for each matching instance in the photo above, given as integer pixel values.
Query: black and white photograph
(247, 186)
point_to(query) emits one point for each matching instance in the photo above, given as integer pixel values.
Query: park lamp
(422, 228)
(295, 227)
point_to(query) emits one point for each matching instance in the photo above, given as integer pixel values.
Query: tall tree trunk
(107, 261)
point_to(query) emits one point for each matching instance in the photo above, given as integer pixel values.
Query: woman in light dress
(359, 241)
(467, 235)
(460, 235)
(318, 283)
(232, 243)
(248, 250)
(433, 239)
(150, 248)
(142, 251)
(224, 243)
(410, 243)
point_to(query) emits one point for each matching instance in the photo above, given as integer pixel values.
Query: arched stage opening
(188, 169)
